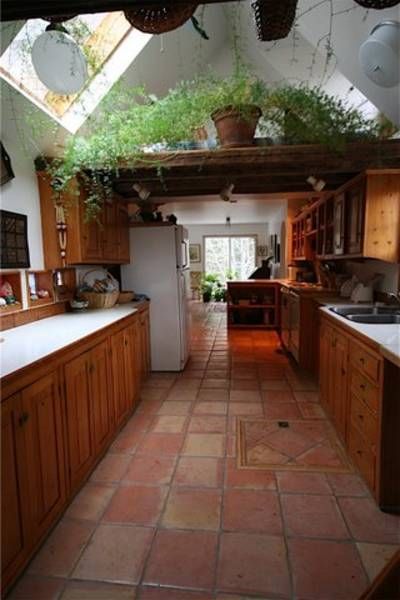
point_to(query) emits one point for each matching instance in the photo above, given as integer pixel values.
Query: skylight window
(110, 45)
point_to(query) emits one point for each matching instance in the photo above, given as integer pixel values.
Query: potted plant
(208, 284)
(235, 105)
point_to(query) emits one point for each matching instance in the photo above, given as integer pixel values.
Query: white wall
(21, 195)
(366, 270)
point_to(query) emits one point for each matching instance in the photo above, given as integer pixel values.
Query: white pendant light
(59, 62)
(379, 54)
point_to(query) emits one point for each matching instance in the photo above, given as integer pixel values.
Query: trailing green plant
(132, 121)
(309, 115)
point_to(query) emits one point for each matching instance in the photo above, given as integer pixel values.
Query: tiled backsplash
(366, 270)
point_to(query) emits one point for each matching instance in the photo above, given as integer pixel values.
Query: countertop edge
(4, 379)
(383, 349)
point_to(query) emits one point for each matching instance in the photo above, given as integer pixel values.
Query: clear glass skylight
(110, 45)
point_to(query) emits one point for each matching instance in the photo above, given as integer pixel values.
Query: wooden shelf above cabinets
(360, 220)
(69, 239)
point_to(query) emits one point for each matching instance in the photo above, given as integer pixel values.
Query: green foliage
(310, 116)
(131, 121)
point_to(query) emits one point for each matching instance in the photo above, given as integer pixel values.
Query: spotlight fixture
(226, 193)
(317, 184)
(58, 61)
(142, 192)
(379, 54)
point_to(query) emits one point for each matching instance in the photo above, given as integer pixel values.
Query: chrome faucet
(394, 296)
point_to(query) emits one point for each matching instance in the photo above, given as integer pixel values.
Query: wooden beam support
(11, 10)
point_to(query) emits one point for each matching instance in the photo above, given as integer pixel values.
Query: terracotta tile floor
(167, 515)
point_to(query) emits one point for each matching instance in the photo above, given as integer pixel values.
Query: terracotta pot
(236, 129)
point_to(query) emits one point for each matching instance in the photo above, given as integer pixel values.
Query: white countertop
(386, 337)
(24, 345)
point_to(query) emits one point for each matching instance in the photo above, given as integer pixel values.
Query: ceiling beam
(13, 10)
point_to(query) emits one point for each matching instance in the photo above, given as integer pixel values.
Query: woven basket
(125, 297)
(377, 4)
(274, 20)
(59, 18)
(160, 18)
(101, 299)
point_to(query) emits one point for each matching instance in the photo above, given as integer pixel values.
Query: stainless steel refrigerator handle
(186, 254)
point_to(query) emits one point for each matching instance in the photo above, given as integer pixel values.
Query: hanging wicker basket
(160, 18)
(59, 18)
(274, 19)
(377, 4)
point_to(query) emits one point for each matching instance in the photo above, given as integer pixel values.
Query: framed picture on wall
(195, 253)
(14, 240)
(6, 172)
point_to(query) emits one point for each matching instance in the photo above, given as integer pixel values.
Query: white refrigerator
(159, 267)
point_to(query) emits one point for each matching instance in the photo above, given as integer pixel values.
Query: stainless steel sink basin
(364, 310)
(388, 319)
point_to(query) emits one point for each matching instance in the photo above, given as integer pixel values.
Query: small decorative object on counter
(43, 293)
(78, 304)
(3, 302)
(125, 297)
(172, 219)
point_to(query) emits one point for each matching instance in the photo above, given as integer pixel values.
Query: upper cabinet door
(43, 437)
(123, 234)
(110, 232)
(339, 224)
(92, 239)
(355, 218)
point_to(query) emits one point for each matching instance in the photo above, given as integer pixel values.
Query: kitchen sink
(365, 310)
(379, 319)
(379, 315)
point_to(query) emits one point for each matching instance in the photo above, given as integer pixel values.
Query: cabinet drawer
(363, 420)
(362, 456)
(367, 362)
(364, 389)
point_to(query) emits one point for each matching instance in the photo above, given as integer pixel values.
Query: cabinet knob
(23, 419)
(91, 368)
(343, 371)
(362, 360)
(362, 386)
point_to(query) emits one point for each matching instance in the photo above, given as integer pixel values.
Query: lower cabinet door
(44, 466)
(101, 396)
(121, 402)
(130, 363)
(339, 392)
(13, 534)
(79, 422)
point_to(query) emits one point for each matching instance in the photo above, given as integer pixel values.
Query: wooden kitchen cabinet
(360, 394)
(58, 418)
(101, 241)
(145, 358)
(361, 219)
(355, 208)
(89, 407)
(78, 419)
(33, 473)
(333, 375)
(14, 539)
(339, 223)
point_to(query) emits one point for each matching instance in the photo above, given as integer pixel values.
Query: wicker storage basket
(125, 297)
(160, 18)
(101, 299)
(274, 19)
(377, 4)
